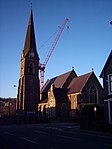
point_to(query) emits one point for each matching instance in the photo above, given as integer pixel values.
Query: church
(68, 92)
(29, 88)
(60, 94)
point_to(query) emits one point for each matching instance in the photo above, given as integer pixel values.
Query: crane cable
(48, 39)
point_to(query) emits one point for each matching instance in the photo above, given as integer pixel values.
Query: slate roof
(76, 86)
(58, 81)
(106, 64)
(78, 83)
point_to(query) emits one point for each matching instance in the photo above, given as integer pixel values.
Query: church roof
(58, 81)
(30, 36)
(106, 65)
(78, 83)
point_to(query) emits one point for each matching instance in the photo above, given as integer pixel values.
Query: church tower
(29, 88)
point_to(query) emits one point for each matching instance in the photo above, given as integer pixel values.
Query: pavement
(74, 128)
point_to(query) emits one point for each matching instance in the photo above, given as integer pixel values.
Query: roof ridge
(81, 80)
(89, 74)
(105, 64)
(85, 74)
(63, 73)
(44, 85)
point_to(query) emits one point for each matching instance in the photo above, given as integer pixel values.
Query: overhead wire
(48, 39)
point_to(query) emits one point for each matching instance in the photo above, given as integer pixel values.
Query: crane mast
(42, 66)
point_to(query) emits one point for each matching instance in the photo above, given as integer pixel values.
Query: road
(52, 136)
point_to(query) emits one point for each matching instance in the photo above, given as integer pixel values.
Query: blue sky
(85, 45)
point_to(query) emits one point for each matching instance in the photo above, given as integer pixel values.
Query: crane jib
(42, 69)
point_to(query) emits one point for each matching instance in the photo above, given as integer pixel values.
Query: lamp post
(95, 109)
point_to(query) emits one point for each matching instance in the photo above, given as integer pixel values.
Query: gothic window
(63, 111)
(64, 106)
(93, 94)
(31, 69)
(73, 101)
(110, 83)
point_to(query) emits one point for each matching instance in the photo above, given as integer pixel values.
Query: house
(106, 74)
(66, 92)
(7, 106)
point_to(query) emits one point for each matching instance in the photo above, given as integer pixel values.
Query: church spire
(30, 42)
(29, 87)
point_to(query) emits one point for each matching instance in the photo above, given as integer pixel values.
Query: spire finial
(92, 69)
(31, 5)
(72, 67)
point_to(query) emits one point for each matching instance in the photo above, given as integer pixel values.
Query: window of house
(110, 84)
(93, 94)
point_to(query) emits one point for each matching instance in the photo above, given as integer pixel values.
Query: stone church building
(29, 88)
(67, 92)
(60, 94)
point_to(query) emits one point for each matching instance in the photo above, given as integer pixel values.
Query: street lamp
(95, 109)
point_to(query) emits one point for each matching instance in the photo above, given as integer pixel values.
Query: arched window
(93, 94)
(64, 106)
(63, 111)
(31, 69)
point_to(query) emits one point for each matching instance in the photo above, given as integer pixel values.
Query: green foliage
(88, 109)
(91, 115)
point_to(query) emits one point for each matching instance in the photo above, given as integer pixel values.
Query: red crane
(42, 66)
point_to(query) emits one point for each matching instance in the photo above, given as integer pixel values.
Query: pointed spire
(31, 17)
(31, 5)
(30, 42)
